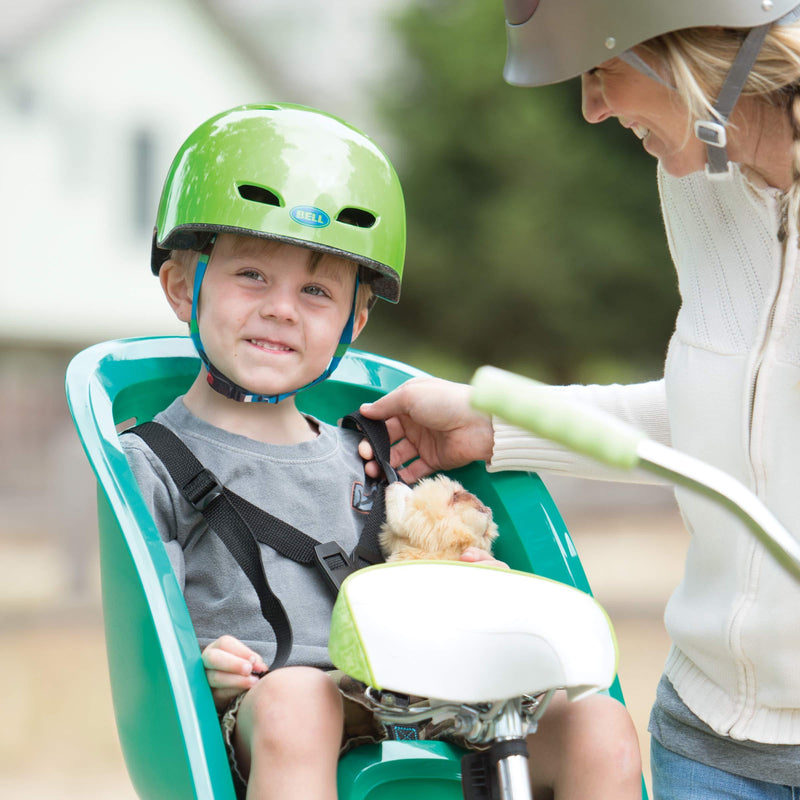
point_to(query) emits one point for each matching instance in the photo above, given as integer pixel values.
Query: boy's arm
(154, 482)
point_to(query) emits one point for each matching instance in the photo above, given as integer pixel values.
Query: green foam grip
(534, 406)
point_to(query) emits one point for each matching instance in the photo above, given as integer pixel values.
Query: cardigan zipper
(756, 466)
(765, 341)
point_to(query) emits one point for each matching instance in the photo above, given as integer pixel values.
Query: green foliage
(535, 240)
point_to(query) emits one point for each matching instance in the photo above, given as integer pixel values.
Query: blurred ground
(59, 740)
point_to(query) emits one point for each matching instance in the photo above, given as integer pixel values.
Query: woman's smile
(653, 112)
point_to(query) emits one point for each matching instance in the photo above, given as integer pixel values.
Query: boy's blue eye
(251, 273)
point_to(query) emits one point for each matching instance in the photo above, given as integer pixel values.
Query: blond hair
(698, 60)
(365, 297)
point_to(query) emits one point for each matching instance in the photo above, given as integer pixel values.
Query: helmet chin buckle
(714, 136)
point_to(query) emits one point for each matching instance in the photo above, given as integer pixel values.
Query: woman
(712, 89)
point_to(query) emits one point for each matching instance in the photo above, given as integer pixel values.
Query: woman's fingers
(474, 555)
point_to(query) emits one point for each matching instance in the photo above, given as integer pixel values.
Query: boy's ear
(359, 322)
(177, 283)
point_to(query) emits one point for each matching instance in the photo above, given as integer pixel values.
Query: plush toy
(437, 518)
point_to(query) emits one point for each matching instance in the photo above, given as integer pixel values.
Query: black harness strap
(378, 437)
(368, 550)
(240, 525)
(204, 492)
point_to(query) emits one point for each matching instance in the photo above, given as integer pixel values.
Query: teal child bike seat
(166, 720)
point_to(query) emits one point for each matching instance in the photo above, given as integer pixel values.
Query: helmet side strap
(712, 132)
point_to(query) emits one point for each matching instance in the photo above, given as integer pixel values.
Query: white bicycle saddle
(469, 634)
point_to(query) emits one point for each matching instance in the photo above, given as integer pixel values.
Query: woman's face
(654, 112)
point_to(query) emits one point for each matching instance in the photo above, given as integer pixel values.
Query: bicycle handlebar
(534, 406)
(591, 432)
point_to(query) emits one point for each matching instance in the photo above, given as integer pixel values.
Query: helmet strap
(637, 62)
(224, 385)
(712, 132)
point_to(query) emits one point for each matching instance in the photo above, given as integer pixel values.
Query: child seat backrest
(166, 719)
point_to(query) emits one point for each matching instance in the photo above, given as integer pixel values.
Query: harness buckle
(333, 563)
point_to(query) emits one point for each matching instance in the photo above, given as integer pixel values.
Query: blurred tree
(535, 240)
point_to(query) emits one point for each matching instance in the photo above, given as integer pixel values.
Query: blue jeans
(679, 778)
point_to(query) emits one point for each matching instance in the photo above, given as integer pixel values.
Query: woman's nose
(593, 104)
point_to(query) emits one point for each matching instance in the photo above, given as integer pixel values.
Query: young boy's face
(268, 319)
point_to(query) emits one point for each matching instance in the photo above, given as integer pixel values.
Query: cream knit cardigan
(731, 396)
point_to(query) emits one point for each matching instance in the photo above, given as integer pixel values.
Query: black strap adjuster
(202, 490)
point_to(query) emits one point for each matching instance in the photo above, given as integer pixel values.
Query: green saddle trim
(346, 648)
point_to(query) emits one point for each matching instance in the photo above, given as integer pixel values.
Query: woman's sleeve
(154, 483)
(642, 405)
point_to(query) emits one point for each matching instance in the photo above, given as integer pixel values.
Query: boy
(277, 227)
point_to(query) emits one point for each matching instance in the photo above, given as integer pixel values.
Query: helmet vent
(357, 217)
(258, 194)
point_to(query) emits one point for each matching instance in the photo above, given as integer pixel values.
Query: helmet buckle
(711, 133)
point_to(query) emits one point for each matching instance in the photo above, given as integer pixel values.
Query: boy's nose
(593, 104)
(279, 303)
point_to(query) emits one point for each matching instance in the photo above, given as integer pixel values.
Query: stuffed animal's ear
(397, 497)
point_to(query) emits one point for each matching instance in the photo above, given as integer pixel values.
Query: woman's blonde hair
(699, 59)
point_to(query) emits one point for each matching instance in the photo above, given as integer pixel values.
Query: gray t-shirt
(677, 729)
(317, 486)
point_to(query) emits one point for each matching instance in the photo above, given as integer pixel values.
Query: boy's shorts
(360, 725)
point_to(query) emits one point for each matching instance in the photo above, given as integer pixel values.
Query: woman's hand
(429, 420)
(231, 668)
(474, 555)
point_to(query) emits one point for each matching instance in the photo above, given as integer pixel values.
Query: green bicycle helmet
(291, 174)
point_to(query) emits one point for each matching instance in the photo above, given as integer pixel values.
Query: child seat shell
(166, 720)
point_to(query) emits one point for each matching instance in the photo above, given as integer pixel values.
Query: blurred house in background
(95, 97)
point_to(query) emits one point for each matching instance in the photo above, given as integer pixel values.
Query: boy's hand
(231, 668)
(474, 555)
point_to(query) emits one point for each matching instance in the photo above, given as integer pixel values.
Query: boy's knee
(591, 737)
(607, 735)
(295, 707)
